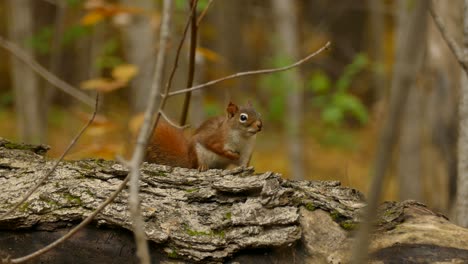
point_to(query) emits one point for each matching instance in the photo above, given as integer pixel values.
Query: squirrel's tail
(168, 146)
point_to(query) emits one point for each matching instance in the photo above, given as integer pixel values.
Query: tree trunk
(405, 72)
(139, 39)
(441, 81)
(287, 28)
(461, 206)
(214, 216)
(25, 83)
(410, 158)
(377, 31)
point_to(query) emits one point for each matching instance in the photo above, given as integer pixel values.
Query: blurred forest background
(321, 120)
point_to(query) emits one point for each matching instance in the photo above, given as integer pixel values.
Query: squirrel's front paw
(202, 167)
(232, 155)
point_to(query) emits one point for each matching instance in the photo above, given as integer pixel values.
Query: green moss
(192, 232)
(228, 215)
(335, 216)
(24, 207)
(343, 221)
(173, 254)
(156, 173)
(348, 225)
(191, 190)
(310, 206)
(48, 201)
(220, 234)
(89, 192)
(73, 199)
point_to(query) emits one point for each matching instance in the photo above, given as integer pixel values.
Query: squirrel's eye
(243, 117)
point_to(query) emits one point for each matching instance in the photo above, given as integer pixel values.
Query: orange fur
(168, 146)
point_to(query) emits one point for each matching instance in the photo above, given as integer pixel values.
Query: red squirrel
(216, 144)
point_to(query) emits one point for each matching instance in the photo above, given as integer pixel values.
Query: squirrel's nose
(259, 125)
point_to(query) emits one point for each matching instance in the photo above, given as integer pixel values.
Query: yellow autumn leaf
(102, 84)
(208, 54)
(135, 124)
(124, 72)
(92, 18)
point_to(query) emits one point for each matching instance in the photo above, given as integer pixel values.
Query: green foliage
(108, 57)
(41, 40)
(75, 32)
(212, 109)
(277, 87)
(57, 116)
(183, 4)
(6, 99)
(73, 3)
(334, 100)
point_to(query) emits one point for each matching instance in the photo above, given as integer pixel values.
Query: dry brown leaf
(102, 85)
(208, 54)
(124, 72)
(92, 18)
(135, 123)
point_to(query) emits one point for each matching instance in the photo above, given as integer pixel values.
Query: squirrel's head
(244, 118)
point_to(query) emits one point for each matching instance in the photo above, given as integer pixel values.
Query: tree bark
(405, 72)
(440, 121)
(206, 216)
(25, 83)
(287, 28)
(461, 203)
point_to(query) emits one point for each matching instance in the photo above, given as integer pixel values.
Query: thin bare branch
(154, 103)
(44, 73)
(176, 60)
(172, 123)
(453, 45)
(43, 179)
(76, 228)
(191, 66)
(249, 73)
(203, 13)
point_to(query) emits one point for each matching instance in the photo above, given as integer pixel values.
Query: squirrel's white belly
(241, 145)
(211, 159)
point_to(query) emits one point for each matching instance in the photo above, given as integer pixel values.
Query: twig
(453, 45)
(248, 73)
(176, 59)
(203, 13)
(172, 123)
(76, 228)
(154, 103)
(47, 75)
(41, 181)
(191, 66)
(174, 68)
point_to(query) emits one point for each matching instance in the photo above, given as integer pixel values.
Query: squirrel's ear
(249, 103)
(232, 109)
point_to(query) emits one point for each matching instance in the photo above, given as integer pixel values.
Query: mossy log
(234, 215)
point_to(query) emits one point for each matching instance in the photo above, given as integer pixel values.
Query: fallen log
(234, 215)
